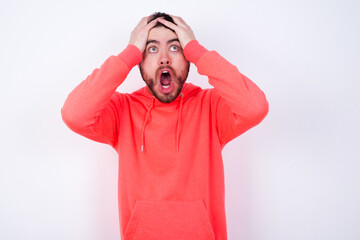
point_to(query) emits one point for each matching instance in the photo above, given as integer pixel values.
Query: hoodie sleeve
(238, 102)
(92, 108)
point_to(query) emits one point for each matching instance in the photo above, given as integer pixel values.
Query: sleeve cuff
(193, 51)
(131, 55)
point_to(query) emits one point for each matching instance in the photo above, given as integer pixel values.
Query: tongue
(165, 79)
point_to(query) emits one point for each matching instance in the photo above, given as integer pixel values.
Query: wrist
(139, 46)
(131, 55)
(193, 51)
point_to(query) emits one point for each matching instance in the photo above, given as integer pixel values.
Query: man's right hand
(140, 33)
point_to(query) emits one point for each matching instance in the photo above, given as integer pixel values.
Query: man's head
(164, 67)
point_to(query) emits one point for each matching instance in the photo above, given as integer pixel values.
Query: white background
(293, 177)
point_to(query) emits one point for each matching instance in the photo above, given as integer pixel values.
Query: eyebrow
(157, 42)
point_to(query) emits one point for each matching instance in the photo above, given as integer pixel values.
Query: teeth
(165, 71)
(165, 86)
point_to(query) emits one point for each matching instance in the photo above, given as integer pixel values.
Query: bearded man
(169, 134)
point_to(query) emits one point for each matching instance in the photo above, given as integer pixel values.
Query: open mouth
(166, 82)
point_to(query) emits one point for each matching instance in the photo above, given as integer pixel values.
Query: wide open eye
(152, 49)
(174, 48)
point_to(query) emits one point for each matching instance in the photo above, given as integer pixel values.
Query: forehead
(161, 34)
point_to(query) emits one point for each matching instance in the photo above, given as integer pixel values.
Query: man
(170, 134)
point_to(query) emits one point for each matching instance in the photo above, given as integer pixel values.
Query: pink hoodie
(171, 175)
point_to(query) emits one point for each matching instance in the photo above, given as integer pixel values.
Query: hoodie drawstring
(144, 125)
(142, 149)
(178, 123)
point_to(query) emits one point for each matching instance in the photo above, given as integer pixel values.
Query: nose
(164, 59)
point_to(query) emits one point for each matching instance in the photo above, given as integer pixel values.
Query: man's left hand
(182, 30)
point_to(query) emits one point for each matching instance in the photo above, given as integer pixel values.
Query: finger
(182, 20)
(149, 19)
(179, 21)
(150, 25)
(140, 24)
(168, 24)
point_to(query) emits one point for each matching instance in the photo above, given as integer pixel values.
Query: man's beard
(169, 97)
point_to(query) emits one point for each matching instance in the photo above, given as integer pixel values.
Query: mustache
(161, 68)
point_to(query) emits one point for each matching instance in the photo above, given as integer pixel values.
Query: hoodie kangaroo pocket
(165, 220)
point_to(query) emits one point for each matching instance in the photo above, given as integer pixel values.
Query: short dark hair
(156, 15)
